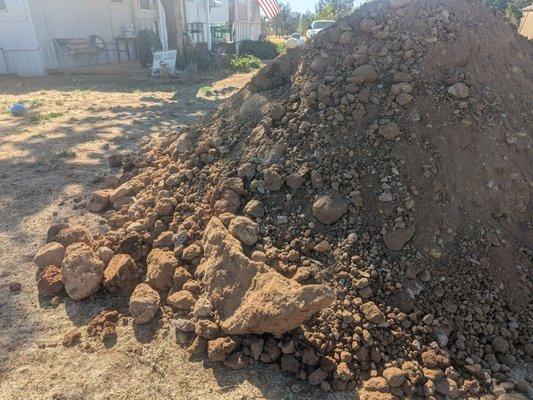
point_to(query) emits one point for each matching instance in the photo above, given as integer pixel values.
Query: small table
(126, 40)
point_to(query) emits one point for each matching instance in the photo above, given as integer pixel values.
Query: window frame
(141, 8)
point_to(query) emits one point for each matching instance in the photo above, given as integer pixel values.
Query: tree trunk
(175, 27)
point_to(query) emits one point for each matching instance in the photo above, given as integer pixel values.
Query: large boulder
(161, 267)
(81, 271)
(249, 296)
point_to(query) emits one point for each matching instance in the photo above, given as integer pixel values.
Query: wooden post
(175, 27)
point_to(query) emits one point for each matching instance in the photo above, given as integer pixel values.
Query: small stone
(317, 376)
(500, 345)
(394, 376)
(181, 276)
(203, 308)
(161, 267)
(397, 4)
(459, 90)
(99, 200)
(121, 275)
(373, 314)
(191, 252)
(50, 283)
(219, 349)
(255, 208)
(181, 300)
(389, 131)
(329, 209)
(245, 230)
(81, 270)
(50, 254)
(397, 239)
(447, 387)
(144, 303)
(273, 181)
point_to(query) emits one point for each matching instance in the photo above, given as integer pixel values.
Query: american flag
(270, 7)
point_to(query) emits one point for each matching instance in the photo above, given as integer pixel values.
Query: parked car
(317, 26)
(295, 40)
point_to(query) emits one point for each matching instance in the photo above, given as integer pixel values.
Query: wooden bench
(77, 46)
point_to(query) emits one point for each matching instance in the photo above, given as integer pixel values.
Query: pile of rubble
(360, 213)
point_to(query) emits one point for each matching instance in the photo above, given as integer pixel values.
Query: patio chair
(105, 47)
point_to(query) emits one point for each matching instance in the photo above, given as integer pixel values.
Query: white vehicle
(317, 26)
(294, 41)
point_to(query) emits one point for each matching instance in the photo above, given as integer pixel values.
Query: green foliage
(280, 46)
(510, 8)
(245, 63)
(333, 9)
(305, 20)
(261, 50)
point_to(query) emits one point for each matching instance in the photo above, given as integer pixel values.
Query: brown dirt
(50, 162)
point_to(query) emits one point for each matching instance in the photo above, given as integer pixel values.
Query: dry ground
(50, 162)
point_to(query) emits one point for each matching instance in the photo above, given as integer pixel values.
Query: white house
(35, 33)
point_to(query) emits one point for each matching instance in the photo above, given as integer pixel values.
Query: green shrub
(261, 50)
(245, 63)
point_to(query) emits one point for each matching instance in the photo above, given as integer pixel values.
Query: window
(3, 5)
(145, 5)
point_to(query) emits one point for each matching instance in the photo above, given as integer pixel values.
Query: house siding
(22, 54)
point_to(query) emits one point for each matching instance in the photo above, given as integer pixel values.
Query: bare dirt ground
(50, 162)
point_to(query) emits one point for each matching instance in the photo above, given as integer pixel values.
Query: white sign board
(164, 63)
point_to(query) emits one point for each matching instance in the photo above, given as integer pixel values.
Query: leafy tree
(305, 20)
(333, 9)
(284, 23)
(510, 8)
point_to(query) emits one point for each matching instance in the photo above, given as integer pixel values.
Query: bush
(261, 50)
(245, 63)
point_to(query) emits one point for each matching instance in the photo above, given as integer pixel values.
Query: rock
(317, 376)
(320, 64)
(206, 329)
(115, 160)
(71, 338)
(289, 364)
(105, 254)
(396, 239)
(50, 282)
(191, 252)
(181, 276)
(71, 235)
(330, 208)
(394, 376)
(121, 275)
(500, 345)
(15, 286)
(459, 91)
(219, 349)
(376, 384)
(255, 208)
(402, 77)
(99, 200)
(182, 300)
(81, 270)
(245, 230)
(184, 325)
(373, 314)
(364, 74)
(203, 308)
(404, 99)
(273, 181)
(161, 267)
(367, 24)
(396, 4)
(144, 302)
(249, 296)
(447, 387)
(511, 396)
(389, 131)
(50, 254)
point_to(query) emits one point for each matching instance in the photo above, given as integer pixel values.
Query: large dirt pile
(360, 213)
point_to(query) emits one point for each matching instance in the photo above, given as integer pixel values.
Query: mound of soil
(374, 184)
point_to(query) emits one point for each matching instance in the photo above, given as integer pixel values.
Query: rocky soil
(359, 214)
